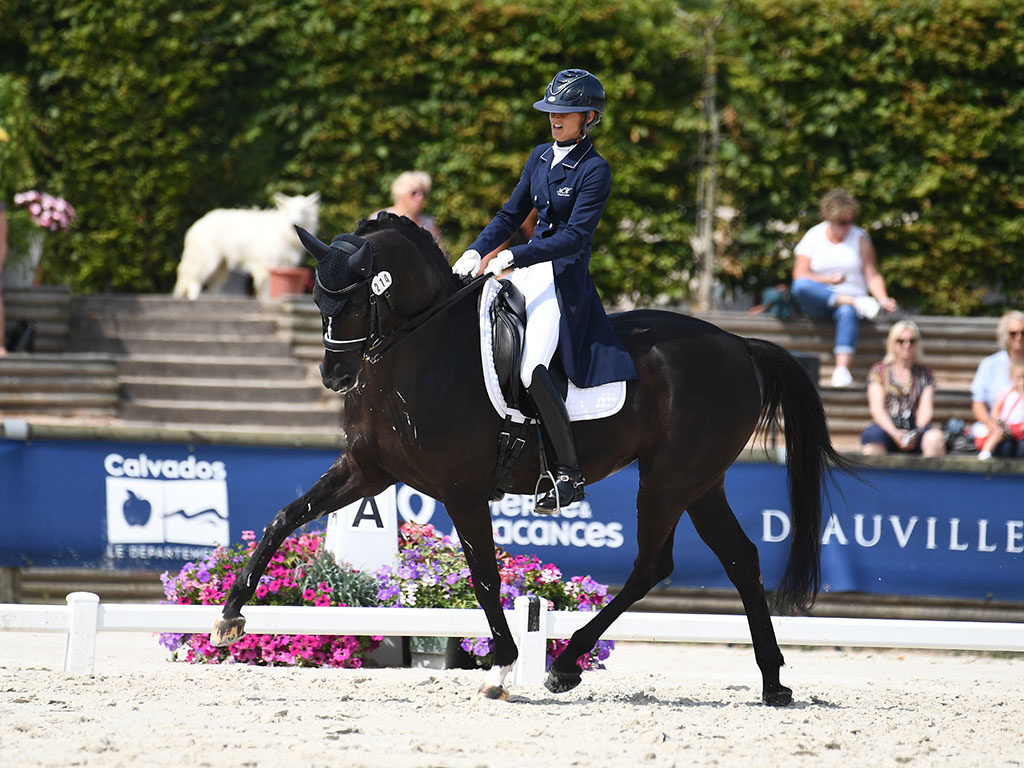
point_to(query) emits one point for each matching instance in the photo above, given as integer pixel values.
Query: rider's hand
(502, 260)
(467, 264)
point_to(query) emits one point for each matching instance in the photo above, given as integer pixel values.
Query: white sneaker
(984, 456)
(866, 307)
(841, 377)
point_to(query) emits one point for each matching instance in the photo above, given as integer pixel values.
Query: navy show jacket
(569, 199)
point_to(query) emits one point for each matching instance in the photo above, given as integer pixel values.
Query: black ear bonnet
(344, 265)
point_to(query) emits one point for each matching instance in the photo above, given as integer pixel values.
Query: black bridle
(377, 341)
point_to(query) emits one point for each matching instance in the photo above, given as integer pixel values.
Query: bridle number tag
(380, 283)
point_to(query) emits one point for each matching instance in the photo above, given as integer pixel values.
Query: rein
(380, 342)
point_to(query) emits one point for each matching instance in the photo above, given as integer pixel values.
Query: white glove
(467, 264)
(499, 263)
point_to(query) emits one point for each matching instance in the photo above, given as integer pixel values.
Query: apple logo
(136, 511)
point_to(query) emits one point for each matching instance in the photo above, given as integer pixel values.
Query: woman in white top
(834, 272)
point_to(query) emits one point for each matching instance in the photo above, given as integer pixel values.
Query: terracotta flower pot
(285, 281)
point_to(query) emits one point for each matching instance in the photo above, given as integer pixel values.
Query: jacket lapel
(570, 161)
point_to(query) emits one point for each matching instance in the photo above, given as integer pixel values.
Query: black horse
(402, 343)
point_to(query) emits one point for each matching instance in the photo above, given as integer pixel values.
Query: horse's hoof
(777, 697)
(560, 682)
(497, 692)
(227, 631)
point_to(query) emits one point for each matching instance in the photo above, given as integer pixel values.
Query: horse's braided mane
(417, 235)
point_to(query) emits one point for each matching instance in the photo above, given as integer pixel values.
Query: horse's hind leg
(717, 526)
(341, 485)
(656, 525)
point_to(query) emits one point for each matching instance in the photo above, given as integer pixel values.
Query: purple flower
(171, 640)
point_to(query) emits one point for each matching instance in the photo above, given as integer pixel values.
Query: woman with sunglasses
(568, 183)
(901, 396)
(993, 375)
(834, 270)
(409, 192)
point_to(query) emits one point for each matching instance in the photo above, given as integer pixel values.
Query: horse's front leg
(473, 522)
(342, 484)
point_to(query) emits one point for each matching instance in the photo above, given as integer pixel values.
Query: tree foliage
(148, 114)
(916, 108)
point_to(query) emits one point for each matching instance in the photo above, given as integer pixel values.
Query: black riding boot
(555, 420)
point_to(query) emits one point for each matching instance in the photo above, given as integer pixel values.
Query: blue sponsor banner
(139, 505)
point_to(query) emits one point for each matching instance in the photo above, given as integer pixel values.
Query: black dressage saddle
(508, 333)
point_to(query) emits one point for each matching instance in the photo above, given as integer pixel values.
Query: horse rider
(568, 183)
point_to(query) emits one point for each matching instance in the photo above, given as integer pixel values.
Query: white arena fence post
(530, 624)
(83, 623)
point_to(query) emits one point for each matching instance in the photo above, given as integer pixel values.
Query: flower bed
(301, 572)
(430, 572)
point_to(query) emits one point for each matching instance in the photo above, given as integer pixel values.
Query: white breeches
(537, 283)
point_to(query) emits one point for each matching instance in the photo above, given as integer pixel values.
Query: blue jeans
(818, 300)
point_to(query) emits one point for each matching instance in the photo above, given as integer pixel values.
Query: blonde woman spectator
(901, 396)
(1008, 438)
(409, 192)
(993, 375)
(834, 271)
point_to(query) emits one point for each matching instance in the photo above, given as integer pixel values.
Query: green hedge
(159, 111)
(150, 113)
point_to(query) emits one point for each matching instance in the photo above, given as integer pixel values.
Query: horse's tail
(810, 459)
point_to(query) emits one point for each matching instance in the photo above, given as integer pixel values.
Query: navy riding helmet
(573, 90)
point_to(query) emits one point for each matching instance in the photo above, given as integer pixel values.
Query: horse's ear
(362, 260)
(317, 249)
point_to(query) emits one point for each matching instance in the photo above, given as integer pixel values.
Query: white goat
(251, 241)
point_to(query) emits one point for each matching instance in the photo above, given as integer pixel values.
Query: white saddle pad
(582, 404)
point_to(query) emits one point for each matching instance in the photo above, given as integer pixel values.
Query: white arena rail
(532, 624)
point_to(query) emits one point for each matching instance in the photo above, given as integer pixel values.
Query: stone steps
(230, 413)
(152, 304)
(55, 383)
(47, 308)
(191, 366)
(220, 361)
(207, 345)
(136, 388)
(157, 326)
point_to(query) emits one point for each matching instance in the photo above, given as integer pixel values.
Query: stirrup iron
(566, 488)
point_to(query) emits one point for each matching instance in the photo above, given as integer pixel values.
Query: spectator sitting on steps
(835, 267)
(1007, 438)
(993, 375)
(901, 396)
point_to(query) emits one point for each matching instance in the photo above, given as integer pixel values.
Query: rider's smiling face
(566, 126)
